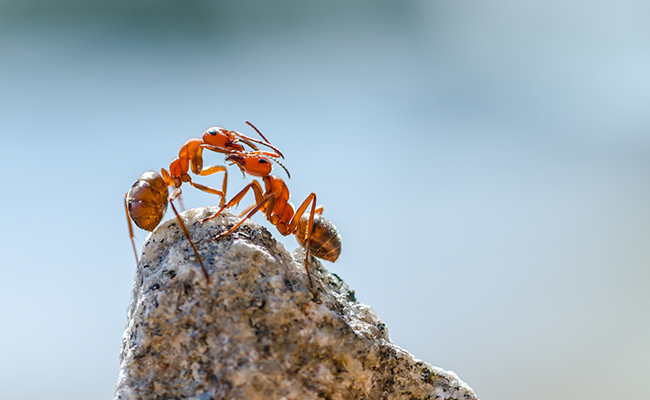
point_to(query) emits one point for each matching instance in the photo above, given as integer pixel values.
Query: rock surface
(255, 330)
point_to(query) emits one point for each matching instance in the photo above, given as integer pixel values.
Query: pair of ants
(146, 201)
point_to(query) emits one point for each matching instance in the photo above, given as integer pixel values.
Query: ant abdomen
(325, 239)
(147, 200)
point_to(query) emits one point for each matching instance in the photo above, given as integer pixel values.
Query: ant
(146, 202)
(313, 232)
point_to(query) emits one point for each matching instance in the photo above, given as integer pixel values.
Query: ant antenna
(267, 143)
(283, 167)
(258, 131)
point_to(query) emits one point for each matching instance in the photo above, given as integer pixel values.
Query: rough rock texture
(255, 330)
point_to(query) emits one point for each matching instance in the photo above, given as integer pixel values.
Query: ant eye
(263, 161)
(212, 131)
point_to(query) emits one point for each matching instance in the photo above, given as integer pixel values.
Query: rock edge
(255, 330)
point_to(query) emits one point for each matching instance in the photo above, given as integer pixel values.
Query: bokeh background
(487, 164)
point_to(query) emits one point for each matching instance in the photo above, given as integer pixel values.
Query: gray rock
(255, 330)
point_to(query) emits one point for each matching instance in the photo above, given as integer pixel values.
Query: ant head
(222, 138)
(252, 162)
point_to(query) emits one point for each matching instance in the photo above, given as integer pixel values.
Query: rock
(255, 330)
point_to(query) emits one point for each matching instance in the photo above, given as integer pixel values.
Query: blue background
(487, 164)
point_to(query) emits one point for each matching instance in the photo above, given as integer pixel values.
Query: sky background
(486, 163)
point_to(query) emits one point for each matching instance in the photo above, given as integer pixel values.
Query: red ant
(146, 201)
(313, 232)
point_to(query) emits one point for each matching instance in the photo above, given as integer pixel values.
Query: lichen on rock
(255, 329)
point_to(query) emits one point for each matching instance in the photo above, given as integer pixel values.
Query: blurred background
(487, 164)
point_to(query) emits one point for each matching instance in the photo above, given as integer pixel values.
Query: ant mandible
(146, 202)
(313, 232)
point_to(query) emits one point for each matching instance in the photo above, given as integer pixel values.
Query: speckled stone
(255, 330)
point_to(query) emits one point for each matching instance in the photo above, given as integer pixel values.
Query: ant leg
(221, 150)
(213, 169)
(131, 235)
(266, 208)
(180, 203)
(238, 197)
(310, 226)
(267, 198)
(247, 209)
(210, 190)
(174, 195)
(196, 159)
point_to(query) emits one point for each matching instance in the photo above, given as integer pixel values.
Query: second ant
(315, 233)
